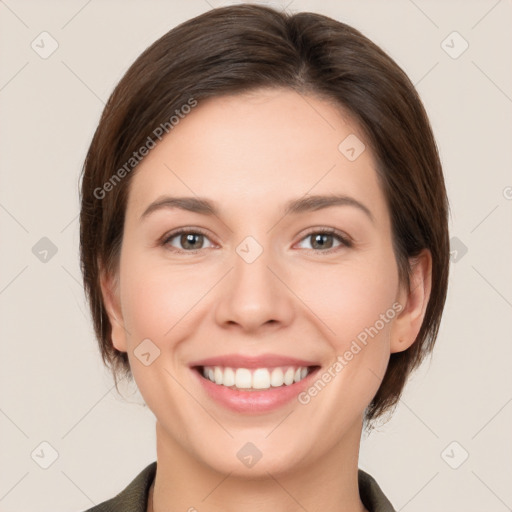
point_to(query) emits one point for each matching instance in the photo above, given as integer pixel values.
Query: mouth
(246, 379)
(255, 389)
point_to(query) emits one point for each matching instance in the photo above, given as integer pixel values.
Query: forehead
(258, 149)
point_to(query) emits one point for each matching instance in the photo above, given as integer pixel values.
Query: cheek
(157, 304)
(156, 296)
(351, 298)
(357, 304)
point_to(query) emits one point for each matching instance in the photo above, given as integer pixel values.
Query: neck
(182, 482)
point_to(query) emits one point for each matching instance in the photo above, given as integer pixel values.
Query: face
(289, 300)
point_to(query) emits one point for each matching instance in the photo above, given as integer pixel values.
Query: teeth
(229, 377)
(288, 376)
(217, 373)
(260, 378)
(243, 378)
(277, 378)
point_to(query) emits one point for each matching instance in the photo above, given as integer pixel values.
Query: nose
(255, 296)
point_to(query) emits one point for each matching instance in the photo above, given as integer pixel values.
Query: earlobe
(111, 300)
(414, 303)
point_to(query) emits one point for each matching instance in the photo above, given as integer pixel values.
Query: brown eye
(186, 241)
(322, 241)
(325, 240)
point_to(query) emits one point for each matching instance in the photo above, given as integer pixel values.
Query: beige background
(53, 387)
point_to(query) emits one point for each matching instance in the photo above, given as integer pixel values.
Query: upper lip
(261, 361)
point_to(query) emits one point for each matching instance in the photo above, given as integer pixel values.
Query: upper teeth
(260, 378)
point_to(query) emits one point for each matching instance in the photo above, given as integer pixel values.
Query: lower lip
(254, 402)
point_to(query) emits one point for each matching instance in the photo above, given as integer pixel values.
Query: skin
(251, 153)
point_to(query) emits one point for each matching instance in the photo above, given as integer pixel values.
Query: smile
(255, 379)
(257, 390)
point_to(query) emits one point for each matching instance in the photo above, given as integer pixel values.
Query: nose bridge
(253, 296)
(251, 273)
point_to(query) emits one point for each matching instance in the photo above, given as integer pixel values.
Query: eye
(191, 240)
(186, 240)
(323, 240)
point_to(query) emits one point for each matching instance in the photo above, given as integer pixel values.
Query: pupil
(320, 238)
(188, 240)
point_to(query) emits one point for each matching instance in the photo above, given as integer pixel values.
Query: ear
(414, 302)
(109, 285)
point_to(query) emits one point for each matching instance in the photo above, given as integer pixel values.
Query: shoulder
(133, 498)
(371, 494)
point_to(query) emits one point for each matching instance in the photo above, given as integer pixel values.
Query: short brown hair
(240, 48)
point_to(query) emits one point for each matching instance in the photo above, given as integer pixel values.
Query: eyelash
(341, 237)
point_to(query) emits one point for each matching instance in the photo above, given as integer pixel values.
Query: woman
(264, 246)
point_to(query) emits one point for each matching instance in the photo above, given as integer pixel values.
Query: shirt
(134, 498)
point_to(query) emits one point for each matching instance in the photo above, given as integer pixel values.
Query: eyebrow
(304, 204)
